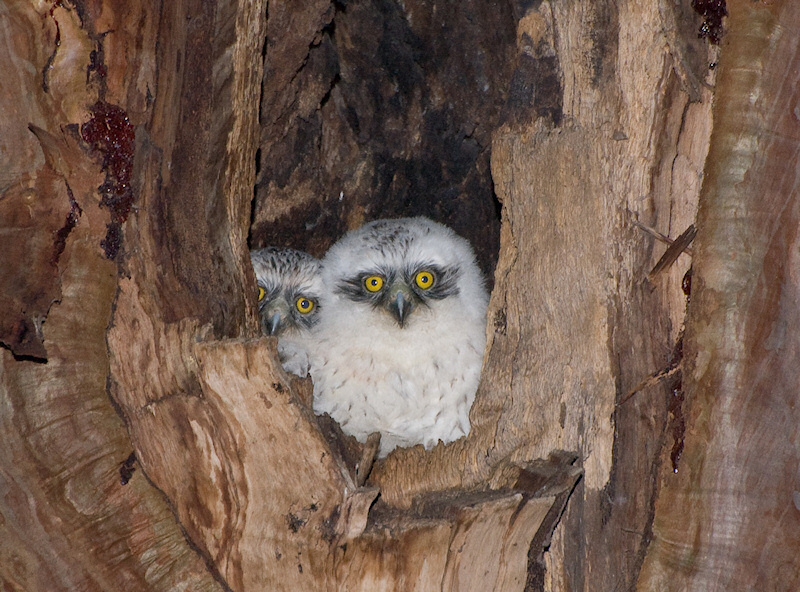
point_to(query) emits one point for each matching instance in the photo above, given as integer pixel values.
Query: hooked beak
(401, 307)
(274, 324)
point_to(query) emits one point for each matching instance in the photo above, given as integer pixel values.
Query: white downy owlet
(399, 344)
(289, 289)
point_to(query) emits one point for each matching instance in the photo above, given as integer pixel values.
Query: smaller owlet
(289, 288)
(399, 346)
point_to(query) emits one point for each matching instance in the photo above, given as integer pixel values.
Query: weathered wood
(728, 515)
(574, 324)
(283, 498)
(29, 242)
(271, 507)
(597, 114)
(71, 520)
(66, 520)
(441, 544)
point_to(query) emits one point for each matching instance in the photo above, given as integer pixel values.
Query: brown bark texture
(575, 324)
(728, 515)
(149, 439)
(68, 522)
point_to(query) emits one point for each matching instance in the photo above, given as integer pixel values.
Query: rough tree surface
(729, 517)
(150, 440)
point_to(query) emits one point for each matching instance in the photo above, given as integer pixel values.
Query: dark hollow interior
(376, 110)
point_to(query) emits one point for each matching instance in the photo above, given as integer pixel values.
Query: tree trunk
(151, 440)
(728, 516)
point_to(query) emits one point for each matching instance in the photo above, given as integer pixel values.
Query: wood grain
(727, 518)
(598, 116)
(67, 522)
(573, 322)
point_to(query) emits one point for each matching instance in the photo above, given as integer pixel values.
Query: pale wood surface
(597, 114)
(574, 324)
(729, 518)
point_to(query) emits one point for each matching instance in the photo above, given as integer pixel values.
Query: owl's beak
(274, 324)
(401, 307)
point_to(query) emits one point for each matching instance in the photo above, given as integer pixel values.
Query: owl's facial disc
(280, 315)
(401, 291)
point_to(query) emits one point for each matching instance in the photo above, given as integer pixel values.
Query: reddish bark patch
(110, 132)
(712, 12)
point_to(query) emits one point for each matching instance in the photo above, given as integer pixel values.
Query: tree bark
(67, 521)
(139, 207)
(727, 514)
(151, 440)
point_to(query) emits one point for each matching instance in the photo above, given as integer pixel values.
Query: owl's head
(404, 266)
(289, 289)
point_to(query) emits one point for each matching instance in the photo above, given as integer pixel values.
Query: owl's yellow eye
(261, 293)
(424, 279)
(373, 283)
(304, 305)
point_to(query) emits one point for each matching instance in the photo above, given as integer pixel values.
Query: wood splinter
(364, 465)
(675, 247)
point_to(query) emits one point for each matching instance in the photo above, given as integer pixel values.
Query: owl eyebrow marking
(444, 285)
(270, 292)
(295, 291)
(353, 287)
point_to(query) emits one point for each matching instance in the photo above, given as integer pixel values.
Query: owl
(289, 289)
(399, 346)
